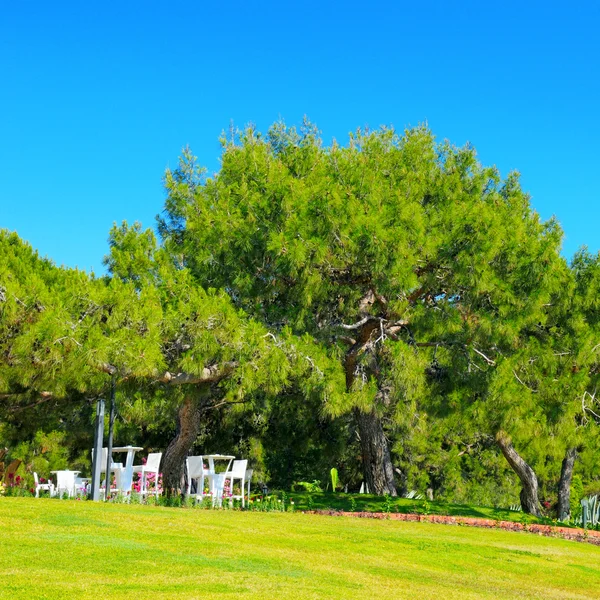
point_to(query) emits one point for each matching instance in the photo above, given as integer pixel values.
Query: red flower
(31, 491)
(11, 475)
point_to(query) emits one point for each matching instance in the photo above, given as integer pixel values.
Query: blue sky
(99, 98)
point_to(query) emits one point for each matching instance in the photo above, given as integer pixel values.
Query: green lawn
(68, 549)
(371, 503)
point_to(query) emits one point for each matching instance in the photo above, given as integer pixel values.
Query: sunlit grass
(66, 549)
(371, 503)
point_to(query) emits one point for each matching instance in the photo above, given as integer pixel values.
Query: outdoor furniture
(124, 475)
(151, 467)
(81, 486)
(215, 480)
(237, 473)
(65, 482)
(115, 467)
(196, 472)
(42, 487)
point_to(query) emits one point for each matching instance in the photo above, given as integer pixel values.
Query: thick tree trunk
(529, 483)
(377, 463)
(188, 428)
(564, 484)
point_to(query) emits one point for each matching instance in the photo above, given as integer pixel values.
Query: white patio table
(124, 475)
(216, 480)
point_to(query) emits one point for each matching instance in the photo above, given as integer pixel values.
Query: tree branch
(211, 374)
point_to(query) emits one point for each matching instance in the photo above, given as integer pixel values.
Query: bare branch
(489, 361)
(360, 323)
(523, 383)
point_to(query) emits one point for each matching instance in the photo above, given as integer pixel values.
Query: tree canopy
(408, 291)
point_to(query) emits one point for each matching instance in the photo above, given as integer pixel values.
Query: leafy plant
(314, 487)
(590, 511)
(388, 504)
(334, 479)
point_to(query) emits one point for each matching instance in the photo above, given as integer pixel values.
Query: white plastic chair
(237, 473)
(196, 471)
(151, 467)
(65, 483)
(42, 487)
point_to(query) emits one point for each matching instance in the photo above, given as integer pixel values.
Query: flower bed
(566, 533)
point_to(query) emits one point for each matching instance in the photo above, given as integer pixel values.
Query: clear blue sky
(98, 98)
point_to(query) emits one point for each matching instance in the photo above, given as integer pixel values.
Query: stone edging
(566, 533)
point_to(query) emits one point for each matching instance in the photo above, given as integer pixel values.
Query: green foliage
(307, 486)
(305, 283)
(442, 267)
(576, 496)
(334, 479)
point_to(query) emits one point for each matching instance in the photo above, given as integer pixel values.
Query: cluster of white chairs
(208, 483)
(67, 483)
(231, 484)
(123, 475)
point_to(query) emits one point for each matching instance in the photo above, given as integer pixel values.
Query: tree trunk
(564, 484)
(188, 428)
(529, 483)
(377, 462)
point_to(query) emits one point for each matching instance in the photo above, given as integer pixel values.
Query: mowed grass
(66, 549)
(371, 503)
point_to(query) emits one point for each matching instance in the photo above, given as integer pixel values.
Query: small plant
(352, 504)
(334, 479)
(388, 504)
(135, 498)
(311, 503)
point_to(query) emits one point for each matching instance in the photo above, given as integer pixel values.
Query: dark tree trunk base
(377, 463)
(529, 491)
(188, 428)
(564, 484)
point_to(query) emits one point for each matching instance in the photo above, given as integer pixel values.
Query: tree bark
(188, 428)
(564, 484)
(377, 462)
(529, 484)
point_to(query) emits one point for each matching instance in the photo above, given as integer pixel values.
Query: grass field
(371, 503)
(67, 549)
